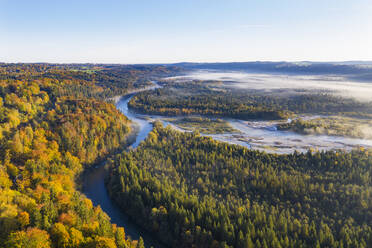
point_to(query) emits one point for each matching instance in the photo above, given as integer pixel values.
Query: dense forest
(192, 191)
(209, 98)
(50, 131)
(94, 80)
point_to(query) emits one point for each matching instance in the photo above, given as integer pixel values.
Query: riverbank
(93, 180)
(255, 135)
(116, 99)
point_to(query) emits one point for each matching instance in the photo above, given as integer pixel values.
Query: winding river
(256, 135)
(94, 187)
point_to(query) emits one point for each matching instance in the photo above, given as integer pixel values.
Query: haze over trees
(188, 190)
(213, 99)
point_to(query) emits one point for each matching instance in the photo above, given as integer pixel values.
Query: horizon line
(191, 62)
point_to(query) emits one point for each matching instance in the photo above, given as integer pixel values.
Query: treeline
(204, 105)
(336, 126)
(192, 191)
(47, 137)
(203, 97)
(301, 126)
(94, 80)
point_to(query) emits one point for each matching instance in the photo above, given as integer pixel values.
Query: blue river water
(94, 186)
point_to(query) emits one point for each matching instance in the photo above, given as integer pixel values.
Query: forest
(211, 99)
(100, 81)
(355, 127)
(57, 121)
(51, 130)
(192, 191)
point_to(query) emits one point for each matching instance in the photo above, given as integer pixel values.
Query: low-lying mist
(338, 85)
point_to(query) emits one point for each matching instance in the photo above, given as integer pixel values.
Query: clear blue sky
(150, 31)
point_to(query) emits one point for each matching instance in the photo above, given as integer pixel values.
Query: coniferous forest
(192, 191)
(211, 98)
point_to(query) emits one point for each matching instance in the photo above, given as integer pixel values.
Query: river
(253, 134)
(94, 186)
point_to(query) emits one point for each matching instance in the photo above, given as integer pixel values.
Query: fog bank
(271, 82)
